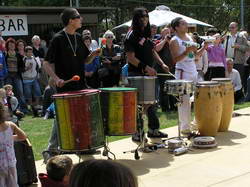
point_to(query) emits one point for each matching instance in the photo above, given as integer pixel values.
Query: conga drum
(227, 91)
(79, 120)
(145, 87)
(208, 107)
(119, 106)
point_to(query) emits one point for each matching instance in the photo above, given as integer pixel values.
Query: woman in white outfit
(185, 68)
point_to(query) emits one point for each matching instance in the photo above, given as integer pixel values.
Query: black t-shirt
(142, 47)
(67, 65)
(38, 53)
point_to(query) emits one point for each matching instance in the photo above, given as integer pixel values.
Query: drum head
(178, 81)
(222, 79)
(206, 83)
(75, 93)
(204, 142)
(117, 89)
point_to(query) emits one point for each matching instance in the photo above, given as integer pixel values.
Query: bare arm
(160, 45)
(135, 61)
(160, 62)
(132, 59)
(50, 70)
(174, 48)
(19, 133)
(92, 55)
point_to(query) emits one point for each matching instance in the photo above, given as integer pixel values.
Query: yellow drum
(227, 91)
(208, 107)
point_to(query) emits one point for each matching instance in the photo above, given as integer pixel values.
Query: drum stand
(106, 150)
(142, 147)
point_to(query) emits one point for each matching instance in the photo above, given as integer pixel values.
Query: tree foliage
(215, 12)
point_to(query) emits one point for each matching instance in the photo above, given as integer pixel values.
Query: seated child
(12, 102)
(58, 170)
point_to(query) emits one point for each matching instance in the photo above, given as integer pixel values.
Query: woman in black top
(111, 58)
(140, 52)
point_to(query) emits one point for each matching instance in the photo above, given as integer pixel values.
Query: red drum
(79, 120)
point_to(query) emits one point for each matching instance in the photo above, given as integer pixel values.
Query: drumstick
(166, 74)
(74, 78)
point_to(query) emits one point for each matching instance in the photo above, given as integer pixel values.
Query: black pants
(238, 96)
(215, 72)
(93, 81)
(167, 102)
(241, 69)
(112, 79)
(153, 120)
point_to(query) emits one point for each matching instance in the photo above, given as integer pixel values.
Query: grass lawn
(38, 129)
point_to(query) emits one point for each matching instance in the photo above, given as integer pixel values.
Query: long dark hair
(105, 173)
(136, 23)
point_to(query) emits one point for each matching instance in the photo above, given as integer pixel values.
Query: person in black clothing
(140, 52)
(47, 96)
(167, 102)
(65, 58)
(111, 58)
(38, 51)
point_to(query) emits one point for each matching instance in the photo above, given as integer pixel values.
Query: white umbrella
(163, 16)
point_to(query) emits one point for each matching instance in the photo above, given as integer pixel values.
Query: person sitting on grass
(102, 173)
(12, 102)
(58, 170)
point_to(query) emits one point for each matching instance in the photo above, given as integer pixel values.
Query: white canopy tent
(162, 15)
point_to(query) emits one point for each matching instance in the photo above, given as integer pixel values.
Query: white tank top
(187, 64)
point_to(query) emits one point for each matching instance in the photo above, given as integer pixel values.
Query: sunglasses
(110, 37)
(76, 17)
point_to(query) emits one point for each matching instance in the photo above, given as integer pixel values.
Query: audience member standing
(111, 56)
(216, 60)
(236, 46)
(15, 68)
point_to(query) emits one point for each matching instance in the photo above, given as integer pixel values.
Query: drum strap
(181, 75)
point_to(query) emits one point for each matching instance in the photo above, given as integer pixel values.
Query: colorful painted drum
(146, 88)
(208, 107)
(227, 91)
(79, 120)
(119, 110)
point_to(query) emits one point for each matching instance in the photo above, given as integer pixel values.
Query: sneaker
(136, 138)
(157, 134)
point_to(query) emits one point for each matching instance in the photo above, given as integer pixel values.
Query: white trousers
(184, 110)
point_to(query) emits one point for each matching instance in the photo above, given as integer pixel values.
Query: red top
(47, 182)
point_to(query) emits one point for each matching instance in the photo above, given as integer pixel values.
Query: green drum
(119, 106)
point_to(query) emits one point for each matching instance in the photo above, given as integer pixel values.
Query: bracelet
(142, 66)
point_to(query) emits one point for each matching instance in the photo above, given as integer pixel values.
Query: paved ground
(227, 165)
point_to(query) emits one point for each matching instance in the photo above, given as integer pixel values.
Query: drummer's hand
(165, 68)
(150, 71)
(59, 82)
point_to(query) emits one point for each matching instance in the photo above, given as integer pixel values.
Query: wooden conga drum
(227, 91)
(208, 107)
